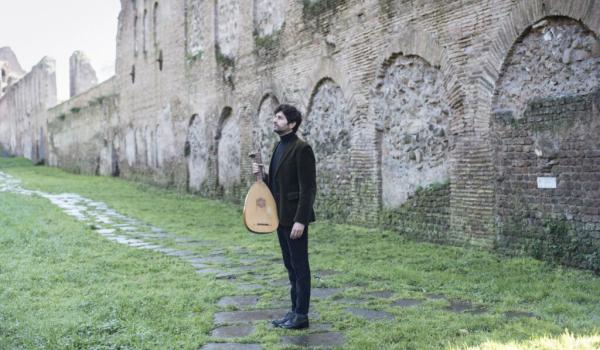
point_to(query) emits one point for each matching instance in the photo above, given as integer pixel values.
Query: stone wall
(23, 112)
(397, 96)
(10, 69)
(82, 75)
(228, 155)
(83, 132)
(556, 57)
(414, 118)
(555, 140)
(327, 128)
(264, 138)
(400, 98)
(196, 152)
(423, 216)
(541, 134)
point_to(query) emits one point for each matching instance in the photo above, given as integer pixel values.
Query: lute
(260, 209)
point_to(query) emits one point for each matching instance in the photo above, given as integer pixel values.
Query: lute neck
(258, 159)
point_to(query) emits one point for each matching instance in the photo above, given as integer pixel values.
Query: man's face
(281, 125)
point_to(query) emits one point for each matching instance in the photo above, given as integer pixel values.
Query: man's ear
(292, 124)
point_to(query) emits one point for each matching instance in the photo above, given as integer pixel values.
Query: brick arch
(329, 69)
(265, 96)
(231, 166)
(226, 112)
(197, 150)
(316, 88)
(541, 129)
(418, 42)
(264, 138)
(412, 127)
(501, 98)
(522, 17)
(413, 42)
(327, 127)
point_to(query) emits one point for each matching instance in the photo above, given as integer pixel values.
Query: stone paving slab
(280, 282)
(369, 314)
(209, 271)
(465, 306)
(351, 301)
(200, 266)
(140, 244)
(250, 261)
(226, 276)
(321, 293)
(250, 286)
(231, 346)
(320, 327)
(325, 273)
(178, 253)
(248, 316)
(434, 296)
(232, 331)
(238, 301)
(149, 246)
(327, 339)
(383, 294)
(407, 302)
(106, 231)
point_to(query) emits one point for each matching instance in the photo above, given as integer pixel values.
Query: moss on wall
(555, 240)
(267, 47)
(423, 216)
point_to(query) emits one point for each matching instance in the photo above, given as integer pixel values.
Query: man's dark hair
(291, 114)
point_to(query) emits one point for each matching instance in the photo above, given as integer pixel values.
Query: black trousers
(295, 259)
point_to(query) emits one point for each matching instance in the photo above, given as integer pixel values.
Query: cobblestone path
(240, 314)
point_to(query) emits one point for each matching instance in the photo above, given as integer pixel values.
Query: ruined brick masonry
(434, 118)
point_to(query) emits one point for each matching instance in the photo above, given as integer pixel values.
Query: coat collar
(292, 140)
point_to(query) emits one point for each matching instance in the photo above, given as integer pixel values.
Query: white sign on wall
(546, 182)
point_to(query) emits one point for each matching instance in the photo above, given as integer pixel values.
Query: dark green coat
(296, 181)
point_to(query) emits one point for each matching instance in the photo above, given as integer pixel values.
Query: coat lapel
(285, 155)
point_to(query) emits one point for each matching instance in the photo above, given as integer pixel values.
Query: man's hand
(297, 230)
(256, 168)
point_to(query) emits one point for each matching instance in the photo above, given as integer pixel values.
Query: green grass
(62, 286)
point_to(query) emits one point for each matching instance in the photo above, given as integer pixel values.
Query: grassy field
(63, 286)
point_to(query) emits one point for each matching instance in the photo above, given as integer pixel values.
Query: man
(292, 180)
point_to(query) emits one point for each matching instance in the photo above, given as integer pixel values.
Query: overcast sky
(57, 28)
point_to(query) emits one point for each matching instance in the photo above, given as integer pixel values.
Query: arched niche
(195, 11)
(196, 153)
(227, 21)
(412, 119)
(545, 122)
(327, 128)
(269, 16)
(228, 150)
(556, 56)
(264, 137)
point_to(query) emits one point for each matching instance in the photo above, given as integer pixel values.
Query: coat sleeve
(307, 179)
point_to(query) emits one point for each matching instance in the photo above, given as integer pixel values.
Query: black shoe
(297, 322)
(279, 322)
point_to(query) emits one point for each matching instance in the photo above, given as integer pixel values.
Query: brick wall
(173, 89)
(424, 216)
(558, 139)
(82, 132)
